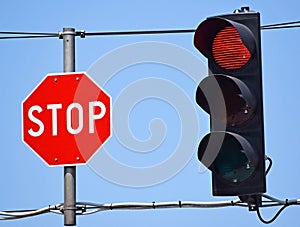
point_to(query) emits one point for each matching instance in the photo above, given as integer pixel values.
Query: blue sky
(26, 182)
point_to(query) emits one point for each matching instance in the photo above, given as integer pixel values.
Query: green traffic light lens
(232, 163)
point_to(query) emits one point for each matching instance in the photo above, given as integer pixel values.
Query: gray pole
(70, 171)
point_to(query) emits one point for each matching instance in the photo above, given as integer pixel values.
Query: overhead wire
(17, 214)
(162, 205)
(275, 202)
(30, 35)
(270, 164)
(142, 32)
(291, 24)
(27, 35)
(87, 208)
(272, 219)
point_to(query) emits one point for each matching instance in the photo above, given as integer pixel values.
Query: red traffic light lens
(229, 50)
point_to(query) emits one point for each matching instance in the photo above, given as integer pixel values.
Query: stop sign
(66, 119)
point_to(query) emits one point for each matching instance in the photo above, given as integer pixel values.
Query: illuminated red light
(229, 50)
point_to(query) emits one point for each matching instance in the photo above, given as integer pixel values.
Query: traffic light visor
(229, 43)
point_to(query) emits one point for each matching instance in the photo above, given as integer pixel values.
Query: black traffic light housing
(232, 94)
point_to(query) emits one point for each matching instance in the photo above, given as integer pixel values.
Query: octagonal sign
(66, 119)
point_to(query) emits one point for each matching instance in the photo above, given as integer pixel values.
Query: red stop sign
(66, 119)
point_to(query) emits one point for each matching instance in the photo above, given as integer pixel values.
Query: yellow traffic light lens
(227, 99)
(229, 50)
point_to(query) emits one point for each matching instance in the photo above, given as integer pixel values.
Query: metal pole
(70, 171)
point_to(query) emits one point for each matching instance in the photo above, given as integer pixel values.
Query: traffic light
(232, 95)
